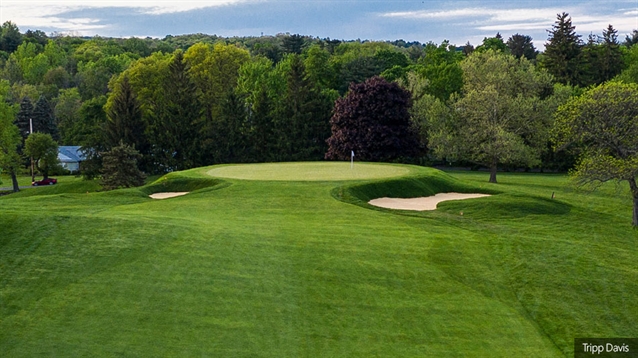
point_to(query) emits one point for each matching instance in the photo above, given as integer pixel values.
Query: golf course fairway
(258, 261)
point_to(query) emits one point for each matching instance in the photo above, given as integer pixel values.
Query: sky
(420, 20)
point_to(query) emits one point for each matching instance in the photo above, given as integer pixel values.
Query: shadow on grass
(182, 184)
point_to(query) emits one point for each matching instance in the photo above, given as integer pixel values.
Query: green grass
(25, 180)
(273, 268)
(309, 171)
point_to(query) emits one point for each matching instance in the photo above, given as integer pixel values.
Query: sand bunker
(421, 204)
(167, 195)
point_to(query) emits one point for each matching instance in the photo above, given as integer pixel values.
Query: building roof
(70, 154)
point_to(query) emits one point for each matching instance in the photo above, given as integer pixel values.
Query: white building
(70, 157)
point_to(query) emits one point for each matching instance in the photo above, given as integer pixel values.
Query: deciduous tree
(10, 139)
(44, 151)
(440, 66)
(373, 120)
(501, 118)
(603, 123)
(493, 43)
(66, 111)
(88, 132)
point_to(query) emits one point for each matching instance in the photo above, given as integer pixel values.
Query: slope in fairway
(305, 171)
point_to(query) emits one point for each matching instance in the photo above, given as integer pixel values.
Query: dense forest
(195, 100)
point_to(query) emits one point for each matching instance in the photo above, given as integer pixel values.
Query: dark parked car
(47, 181)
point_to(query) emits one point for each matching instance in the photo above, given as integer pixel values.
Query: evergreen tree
(521, 45)
(175, 124)
(562, 57)
(590, 72)
(261, 133)
(120, 168)
(611, 57)
(602, 58)
(124, 120)
(230, 132)
(302, 121)
(24, 117)
(468, 48)
(632, 39)
(10, 37)
(43, 119)
(293, 44)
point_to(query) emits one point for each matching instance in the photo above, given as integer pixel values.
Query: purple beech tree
(373, 120)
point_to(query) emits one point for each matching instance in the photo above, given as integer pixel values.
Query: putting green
(309, 171)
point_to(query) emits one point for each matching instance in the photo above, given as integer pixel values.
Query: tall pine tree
(602, 58)
(230, 131)
(611, 57)
(302, 121)
(44, 120)
(175, 124)
(124, 121)
(120, 168)
(23, 118)
(261, 130)
(562, 51)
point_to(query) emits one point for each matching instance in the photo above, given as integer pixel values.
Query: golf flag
(351, 159)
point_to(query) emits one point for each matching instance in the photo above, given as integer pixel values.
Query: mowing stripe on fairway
(309, 171)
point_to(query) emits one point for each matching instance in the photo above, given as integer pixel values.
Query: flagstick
(352, 159)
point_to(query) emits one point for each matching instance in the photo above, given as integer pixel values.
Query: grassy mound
(309, 171)
(422, 182)
(185, 181)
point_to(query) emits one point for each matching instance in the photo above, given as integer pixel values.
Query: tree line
(195, 100)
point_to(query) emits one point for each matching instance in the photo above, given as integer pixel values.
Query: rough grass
(283, 269)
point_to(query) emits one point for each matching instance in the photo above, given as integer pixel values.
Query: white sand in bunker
(422, 203)
(167, 195)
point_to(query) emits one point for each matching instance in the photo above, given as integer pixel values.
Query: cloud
(494, 14)
(57, 15)
(527, 19)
